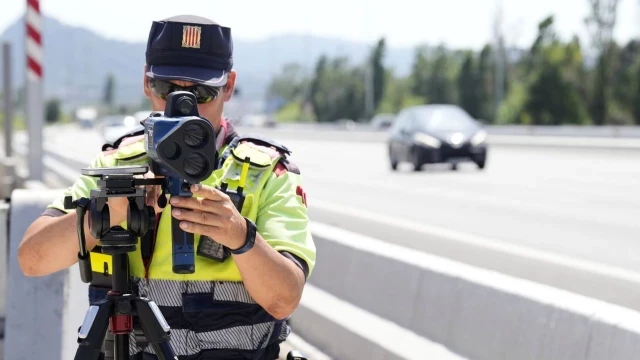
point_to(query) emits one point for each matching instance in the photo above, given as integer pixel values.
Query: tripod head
(113, 182)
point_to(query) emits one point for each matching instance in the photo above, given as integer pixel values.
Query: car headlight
(129, 121)
(479, 138)
(428, 140)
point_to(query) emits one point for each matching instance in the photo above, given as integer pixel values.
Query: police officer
(236, 304)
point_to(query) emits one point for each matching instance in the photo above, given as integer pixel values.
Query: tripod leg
(121, 343)
(155, 328)
(93, 330)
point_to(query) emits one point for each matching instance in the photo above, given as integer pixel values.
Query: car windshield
(444, 119)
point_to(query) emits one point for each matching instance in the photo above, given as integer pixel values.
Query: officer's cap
(190, 48)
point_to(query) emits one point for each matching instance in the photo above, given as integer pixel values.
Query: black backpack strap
(265, 141)
(116, 144)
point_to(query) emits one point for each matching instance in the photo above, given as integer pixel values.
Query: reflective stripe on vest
(211, 308)
(207, 315)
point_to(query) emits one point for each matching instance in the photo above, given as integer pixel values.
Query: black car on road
(430, 134)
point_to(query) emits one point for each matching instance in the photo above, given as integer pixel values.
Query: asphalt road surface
(567, 218)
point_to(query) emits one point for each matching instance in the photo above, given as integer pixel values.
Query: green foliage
(512, 110)
(290, 85)
(52, 110)
(379, 74)
(109, 89)
(292, 112)
(550, 83)
(468, 84)
(398, 95)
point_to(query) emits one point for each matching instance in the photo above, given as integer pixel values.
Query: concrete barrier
(34, 321)
(475, 313)
(43, 313)
(4, 267)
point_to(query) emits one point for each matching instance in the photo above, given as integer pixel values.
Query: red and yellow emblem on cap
(191, 36)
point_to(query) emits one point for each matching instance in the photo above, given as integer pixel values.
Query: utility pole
(8, 102)
(368, 67)
(368, 75)
(499, 56)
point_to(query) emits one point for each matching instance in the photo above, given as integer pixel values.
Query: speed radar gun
(182, 147)
(116, 311)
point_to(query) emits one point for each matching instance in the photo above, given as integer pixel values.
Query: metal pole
(8, 103)
(499, 60)
(368, 101)
(34, 105)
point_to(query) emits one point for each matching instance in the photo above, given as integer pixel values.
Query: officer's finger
(192, 203)
(208, 192)
(201, 229)
(151, 195)
(198, 217)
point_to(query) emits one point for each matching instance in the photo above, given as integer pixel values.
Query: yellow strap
(98, 261)
(243, 174)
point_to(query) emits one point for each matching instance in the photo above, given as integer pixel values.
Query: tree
(420, 74)
(626, 61)
(485, 92)
(468, 86)
(289, 85)
(109, 89)
(337, 90)
(52, 110)
(316, 97)
(379, 75)
(553, 97)
(601, 22)
(636, 101)
(440, 84)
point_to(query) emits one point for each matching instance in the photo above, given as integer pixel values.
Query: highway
(563, 217)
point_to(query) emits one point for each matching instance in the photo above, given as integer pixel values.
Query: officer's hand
(118, 205)
(210, 212)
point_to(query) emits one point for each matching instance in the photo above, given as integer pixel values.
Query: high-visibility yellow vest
(234, 172)
(210, 311)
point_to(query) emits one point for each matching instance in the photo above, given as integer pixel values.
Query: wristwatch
(250, 239)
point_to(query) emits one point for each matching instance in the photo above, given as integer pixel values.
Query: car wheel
(454, 166)
(393, 161)
(481, 164)
(416, 161)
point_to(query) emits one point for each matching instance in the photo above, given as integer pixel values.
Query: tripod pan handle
(85, 267)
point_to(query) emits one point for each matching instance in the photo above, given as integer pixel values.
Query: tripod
(117, 310)
(119, 307)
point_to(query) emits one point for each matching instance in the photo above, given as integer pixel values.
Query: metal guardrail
(527, 130)
(331, 133)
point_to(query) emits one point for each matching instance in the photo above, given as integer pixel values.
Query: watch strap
(250, 240)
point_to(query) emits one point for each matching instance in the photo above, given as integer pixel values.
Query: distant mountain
(77, 61)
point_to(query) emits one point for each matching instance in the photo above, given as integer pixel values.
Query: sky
(457, 23)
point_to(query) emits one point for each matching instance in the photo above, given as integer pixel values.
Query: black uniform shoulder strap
(265, 141)
(116, 144)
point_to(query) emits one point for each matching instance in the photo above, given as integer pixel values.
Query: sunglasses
(203, 93)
